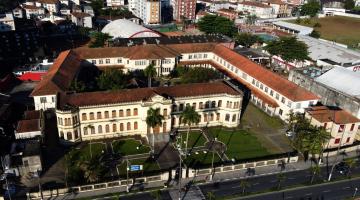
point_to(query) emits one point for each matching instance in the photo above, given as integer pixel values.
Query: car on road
(342, 168)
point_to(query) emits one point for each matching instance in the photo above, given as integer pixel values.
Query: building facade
(147, 10)
(256, 8)
(183, 9)
(7, 22)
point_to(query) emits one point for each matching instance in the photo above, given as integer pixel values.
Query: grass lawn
(240, 143)
(340, 29)
(201, 159)
(128, 147)
(196, 139)
(148, 166)
(84, 152)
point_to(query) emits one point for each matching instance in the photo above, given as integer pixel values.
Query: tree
(315, 34)
(189, 117)
(247, 39)
(150, 72)
(289, 49)
(251, 19)
(112, 79)
(349, 4)
(280, 178)
(197, 74)
(243, 185)
(154, 119)
(210, 196)
(97, 5)
(298, 20)
(99, 39)
(92, 169)
(350, 162)
(78, 86)
(311, 8)
(217, 24)
(315, 171)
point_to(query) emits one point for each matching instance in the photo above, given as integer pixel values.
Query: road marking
(345, 188)
(273, 181)
(289, 197)
(291, 178)
(256, 183)
(308, 194)
(325, 191)
(235, 187)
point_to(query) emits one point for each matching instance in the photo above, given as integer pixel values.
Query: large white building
(147, 10)
(256, 8)
(116, 30)
(115, 3)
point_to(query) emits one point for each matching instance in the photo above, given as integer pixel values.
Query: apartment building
(183, 9)
(115, 3)
(81, 19)
(7, 22)
(228, 13)
(147, 10)
(342, 126)
(256, 8)
(280, 8)
(272, 93)
(53, 6)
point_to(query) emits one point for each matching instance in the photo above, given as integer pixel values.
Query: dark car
(342, 168)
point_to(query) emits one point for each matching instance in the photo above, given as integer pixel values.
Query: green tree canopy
(196, 74)
(251, 19)
(349, 4)
(288, 48)
(99, 39)
(112, 79)
(311, 8)
(154, 118)
(150, 72)
(315, 34)
(217, 24)
(247, 39)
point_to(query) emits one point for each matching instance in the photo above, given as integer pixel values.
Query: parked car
(342, 168)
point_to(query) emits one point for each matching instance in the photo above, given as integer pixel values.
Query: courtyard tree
(289, 49)
(99, 39)
(77, 86)
(92, 169)
(189, 117)
(349, 4)
(251, 19)
(197, 74)
(216, 24)
(150, 72)
(247, 39)
(315, 171)
(243, 185)
(311, 8)
(154, 119)
(112, 79)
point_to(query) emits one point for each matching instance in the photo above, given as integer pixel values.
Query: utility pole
(212, 166)
(356, 189)
(127, 175)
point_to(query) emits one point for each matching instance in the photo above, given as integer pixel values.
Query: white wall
(45, 102)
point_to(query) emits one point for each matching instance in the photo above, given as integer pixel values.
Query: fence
(161, 177)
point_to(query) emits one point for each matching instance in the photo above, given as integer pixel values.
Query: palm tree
(210, 196)
(154, 119)
(189, 117)
(315, 170)
(280, 178)
(243, 185)
(350, 162)
(150, 72)
(92, 169)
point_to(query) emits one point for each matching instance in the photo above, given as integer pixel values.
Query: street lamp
(127, 175)
(356, 189)
(212, 161)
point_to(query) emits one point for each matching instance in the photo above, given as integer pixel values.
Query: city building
(81, 19)
(280, 8)
(115, 3)
(7, 22)
(53, 6)
(116, 30)
(19, 12)
(217, 5)
(32, 11)
(292, 28)
(31, 126)
(255, 8)
(342, 126)
(272, 93)
(183, 9)
(228, 13)
(147, 10)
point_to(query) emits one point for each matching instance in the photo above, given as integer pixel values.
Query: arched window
(211, 117)
(234, 117)
(107, 128)
(205, 117)
(128, 112)
(121, 113)
(100, 129)
(219, 103)
(85, 131)
(106, 114)
(135, 111)
(135, 125)
(113, 113)
(217, 116)
(114, 127)
(92, 129)
(128, 126)
(121, 127)
(69, 136)
(165, 112)
(61, 135)
(98, 115)
(83, 117)
(92, 116)
(76, 134)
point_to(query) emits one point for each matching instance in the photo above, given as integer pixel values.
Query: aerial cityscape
(180, 99)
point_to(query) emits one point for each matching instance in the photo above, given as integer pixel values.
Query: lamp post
(356, 189)
(127, 175)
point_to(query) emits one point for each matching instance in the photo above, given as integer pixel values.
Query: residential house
(256, 8)
(26, 157)
(81, 19)
(19, 12)
(228, 13)
(280, 8)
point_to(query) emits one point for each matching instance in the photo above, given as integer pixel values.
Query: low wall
(346, 150)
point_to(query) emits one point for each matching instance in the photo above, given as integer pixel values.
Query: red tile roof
(60, 74)
(281, 85)
(28, 126)
(140, 94)
(328, 114)
(32, 114)
(48, 1)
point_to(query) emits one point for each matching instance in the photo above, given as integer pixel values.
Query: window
(289, 104)
(234, 117)
(325, 125)
(271, 92)
(282, 99)
(219, 103)
(164, 127)
(298, 105)
(135, 111)
(121, 113)
(253, 82)
(244, 76)
(347, 139)
(69, 135)
(114, 128)
(121, 127)
(92, 116)
(352, 127)
(266, 89)
(101, 61)
(341, 128)
(119, 60)
(207, 104)
(93, 62)
(261, 86)
(106, 114)
(53, 99)
(135, 125)
(280, 112)
(211, 117)
(181, 107)
(174, 108)
(42, 99)
(205, 117)
(128, 112)
(62, 134)
(201, 105)
(194, 105)
(113, 113)
(128, 126)
(217, 116)
(165, 112)
(107, 128)
(227, 117)
(213, 104)
(337, 141)
(277, 96)
(76, 134)
(92, 129)
(98, 115)
(85, 131)
(26, 163)
(107, 61)
(100, 129)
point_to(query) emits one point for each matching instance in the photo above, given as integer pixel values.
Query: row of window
(69, 135)
(107, 61)
(105, 115)
(68, 121)
(342, 127)
(114, 128)
(206, 105)
(197, 56)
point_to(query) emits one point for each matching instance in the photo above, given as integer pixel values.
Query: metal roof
(302, 30)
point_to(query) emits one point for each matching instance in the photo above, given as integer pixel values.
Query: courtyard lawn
(240, 144)
(196, 139)
(201, 159)
(128, 147)
(340, 29)
(84, 152)
(148, 166)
